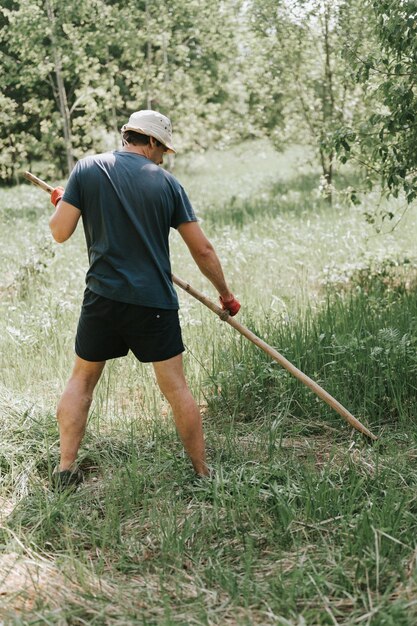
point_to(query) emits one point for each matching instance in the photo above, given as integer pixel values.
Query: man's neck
(151, 152)
(141, 150)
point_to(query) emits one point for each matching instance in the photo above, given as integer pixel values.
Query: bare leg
(171, 381)
(73, 408)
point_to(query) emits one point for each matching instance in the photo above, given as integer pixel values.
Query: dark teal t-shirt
(128, 205)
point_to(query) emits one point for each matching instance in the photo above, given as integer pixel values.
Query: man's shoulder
(90, 159)
(171, 179)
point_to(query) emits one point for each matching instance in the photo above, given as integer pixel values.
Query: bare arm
(64, 221)
(205, 256)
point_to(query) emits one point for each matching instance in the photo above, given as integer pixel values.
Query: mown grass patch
(312, 531)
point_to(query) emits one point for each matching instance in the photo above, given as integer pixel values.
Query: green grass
(360, 345)
(306, 523)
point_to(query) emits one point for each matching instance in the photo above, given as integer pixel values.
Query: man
(128, 205)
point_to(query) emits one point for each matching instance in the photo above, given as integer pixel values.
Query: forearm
(64, 220)
(209, 265)
(208, 262)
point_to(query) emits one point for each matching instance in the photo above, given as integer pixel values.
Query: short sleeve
(72, 193)
(183, 211)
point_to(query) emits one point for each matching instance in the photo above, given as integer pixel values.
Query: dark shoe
(66, 479)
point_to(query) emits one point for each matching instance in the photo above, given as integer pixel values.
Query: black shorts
(108, 329)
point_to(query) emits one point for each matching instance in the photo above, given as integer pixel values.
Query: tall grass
(305, 523)
(360, 345)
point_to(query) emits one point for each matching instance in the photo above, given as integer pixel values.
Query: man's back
(128, 205)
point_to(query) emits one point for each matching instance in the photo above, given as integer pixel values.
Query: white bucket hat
(153, 124)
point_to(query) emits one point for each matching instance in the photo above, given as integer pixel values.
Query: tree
(73, 74)
(307, 89)
(18, 99)
(53, 78)
(386, 140)
(189, 53)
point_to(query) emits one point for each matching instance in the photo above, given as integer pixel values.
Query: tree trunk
(62, 94)
(170, 158)
(328, 105)
(148, 57)
(113, 112)
(328, 74)
(327, 171)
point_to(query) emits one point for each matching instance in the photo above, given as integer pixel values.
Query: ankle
(66, 466)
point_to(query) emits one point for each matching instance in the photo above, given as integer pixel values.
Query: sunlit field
(305, 523)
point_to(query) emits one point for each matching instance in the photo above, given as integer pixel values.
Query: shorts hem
(165, 358)
(107, 358)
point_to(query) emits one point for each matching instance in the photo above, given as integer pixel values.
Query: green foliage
(385, 141)
(304, 89)
(336, 77)
(37, 49)
(75, 71)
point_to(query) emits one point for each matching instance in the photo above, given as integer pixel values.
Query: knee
(180, 399)
(173, 391)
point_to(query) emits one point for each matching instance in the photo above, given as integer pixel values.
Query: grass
(305, 523)
(361, 345)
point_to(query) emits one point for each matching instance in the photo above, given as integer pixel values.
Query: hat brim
(170, 148)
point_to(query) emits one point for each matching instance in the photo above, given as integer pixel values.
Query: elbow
(59, 238)
(204, 253)
(57, 234)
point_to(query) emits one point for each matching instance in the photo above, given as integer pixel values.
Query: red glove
(56, 195)
(231, 304)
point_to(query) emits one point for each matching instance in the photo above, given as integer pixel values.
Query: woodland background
(336, 76)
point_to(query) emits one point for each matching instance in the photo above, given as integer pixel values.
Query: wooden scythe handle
(38, 182)
(319, 391)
